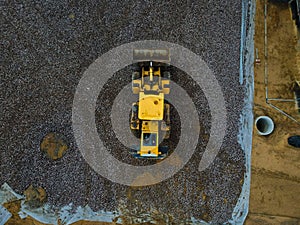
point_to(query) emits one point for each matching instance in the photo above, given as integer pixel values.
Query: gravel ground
(45, 48)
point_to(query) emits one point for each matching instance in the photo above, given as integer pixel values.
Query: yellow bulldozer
(150, 115)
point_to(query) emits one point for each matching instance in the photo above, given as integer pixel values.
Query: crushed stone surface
(45, 48)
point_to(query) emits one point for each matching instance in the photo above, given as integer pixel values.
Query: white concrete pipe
(264, 125)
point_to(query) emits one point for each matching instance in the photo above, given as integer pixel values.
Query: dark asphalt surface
(45, 48)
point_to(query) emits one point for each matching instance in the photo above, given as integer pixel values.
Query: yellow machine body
(150, 115)
(151, 107)
(149, 139)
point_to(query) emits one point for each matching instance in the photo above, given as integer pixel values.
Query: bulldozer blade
(155, 55)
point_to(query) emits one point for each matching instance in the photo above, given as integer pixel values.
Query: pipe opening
(264, 125)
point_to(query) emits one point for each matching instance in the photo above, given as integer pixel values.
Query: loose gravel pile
(45, 48)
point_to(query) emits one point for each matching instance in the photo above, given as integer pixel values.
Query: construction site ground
(275, 170)
(48, 45)
(275, 177)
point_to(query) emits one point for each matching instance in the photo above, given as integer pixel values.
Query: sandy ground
(275, 179)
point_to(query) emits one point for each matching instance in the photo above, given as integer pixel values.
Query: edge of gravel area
(241, 209)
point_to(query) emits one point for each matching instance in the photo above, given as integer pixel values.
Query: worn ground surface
(275, 179)
(46, 47)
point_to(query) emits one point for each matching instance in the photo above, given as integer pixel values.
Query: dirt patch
(54, 145)
(275, 164)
